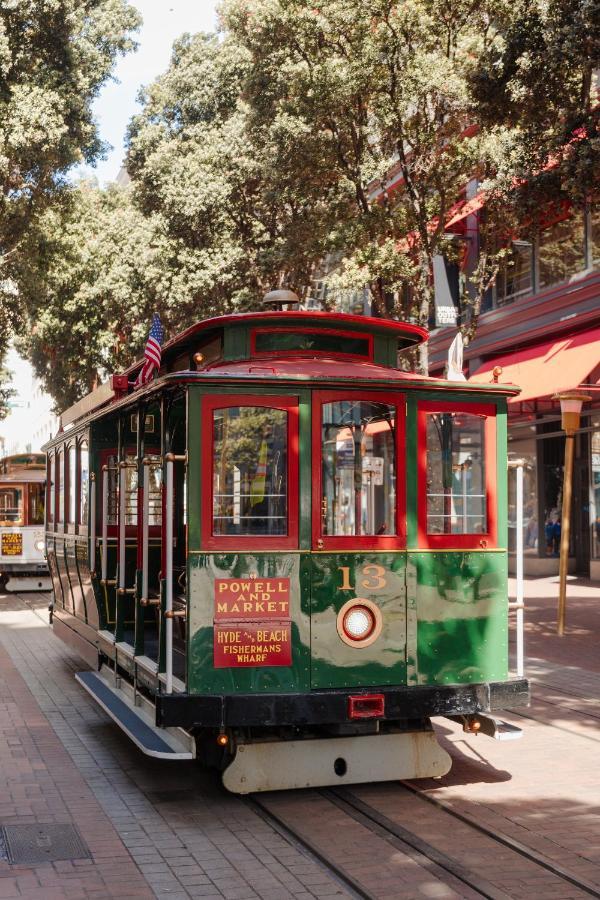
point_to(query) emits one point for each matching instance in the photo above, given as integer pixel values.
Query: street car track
(435, 861)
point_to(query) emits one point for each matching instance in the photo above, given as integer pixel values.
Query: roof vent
(281, 299)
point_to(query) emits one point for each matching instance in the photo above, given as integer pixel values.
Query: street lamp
(570, 408)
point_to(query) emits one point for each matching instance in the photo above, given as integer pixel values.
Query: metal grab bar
(170, 459)
(104, 550)
(122, 489)
(519, 604)
(168, 533)
(92, 562)
(145, 530)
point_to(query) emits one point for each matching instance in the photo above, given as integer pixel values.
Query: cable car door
(358, 568)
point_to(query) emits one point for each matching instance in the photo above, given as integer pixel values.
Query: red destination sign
(251, 598)
(251, 644)
(252, 624)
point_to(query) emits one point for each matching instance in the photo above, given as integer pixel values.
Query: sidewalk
(580, 645)
(159, 831)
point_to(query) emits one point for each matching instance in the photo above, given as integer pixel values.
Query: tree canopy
(317, 140)
(54, 57)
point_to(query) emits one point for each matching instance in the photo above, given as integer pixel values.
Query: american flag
(151, 353)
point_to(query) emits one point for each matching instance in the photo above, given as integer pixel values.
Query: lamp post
(570, 408)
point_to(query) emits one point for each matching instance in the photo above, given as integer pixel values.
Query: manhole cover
(42, 843)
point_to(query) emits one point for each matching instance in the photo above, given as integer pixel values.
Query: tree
(379, 88)
(236, 224)
(54, 57)
(87, 277)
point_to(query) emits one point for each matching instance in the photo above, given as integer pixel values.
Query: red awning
(545, 369)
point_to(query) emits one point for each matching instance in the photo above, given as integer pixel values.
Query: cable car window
(321, 342)
(131, 490)
(11, 505)
(358, 468)
(113, 489)
(36, 504)
(155, 492)
(72, 481)
(50, 489)
(60, 488)
(84, 481)
(250, 471)
(456, 495)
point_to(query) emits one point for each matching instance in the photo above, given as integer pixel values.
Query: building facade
(541, 325)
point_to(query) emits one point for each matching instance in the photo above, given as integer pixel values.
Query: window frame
(234, 542)
(50, 478)
(82, 443)
(476, 541)
(331, 542)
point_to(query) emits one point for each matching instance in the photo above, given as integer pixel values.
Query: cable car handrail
(104, 547)
(170, 459)
(92, 563)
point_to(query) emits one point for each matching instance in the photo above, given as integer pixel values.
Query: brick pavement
(166, 830)
(183, 836)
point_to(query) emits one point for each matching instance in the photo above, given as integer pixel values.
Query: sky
(164, 21)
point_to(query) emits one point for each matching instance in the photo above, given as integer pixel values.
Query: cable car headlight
(359, 622)
(40, 545)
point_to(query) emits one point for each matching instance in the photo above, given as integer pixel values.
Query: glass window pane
(131, 490)
(113, 489)
(36, 504)
(456, 501)
(310, 341)
(11, 505)
(84, 478)
(250, 471)
(358, 468)
(72, 482)
(60, 488)
(595, 493)
(561, 250)
(50, 489)
(515, 275)
(155, 492)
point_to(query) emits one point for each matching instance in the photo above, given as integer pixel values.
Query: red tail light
(366, 706)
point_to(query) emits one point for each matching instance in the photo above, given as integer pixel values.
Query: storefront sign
(12, 543)
(252, 598)
(252, 624)
(264, 644)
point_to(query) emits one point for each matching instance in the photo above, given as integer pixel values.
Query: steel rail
(339, 873)
(512, 843)
(422, 852)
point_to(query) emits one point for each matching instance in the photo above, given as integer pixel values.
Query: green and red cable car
(284, 554)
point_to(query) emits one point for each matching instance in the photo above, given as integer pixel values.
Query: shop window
(72, 482)
(562, 250)
(84, 482)
(515, 277)
(11, 505)
(457, 454)
(249, 471)
(526, 451)
(595, 235)
(358, 468)
(595, 492)
(35, 504)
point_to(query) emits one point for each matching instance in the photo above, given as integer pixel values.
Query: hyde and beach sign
(252, 625)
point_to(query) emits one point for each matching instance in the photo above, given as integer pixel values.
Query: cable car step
(283, 765)
(136, 724)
